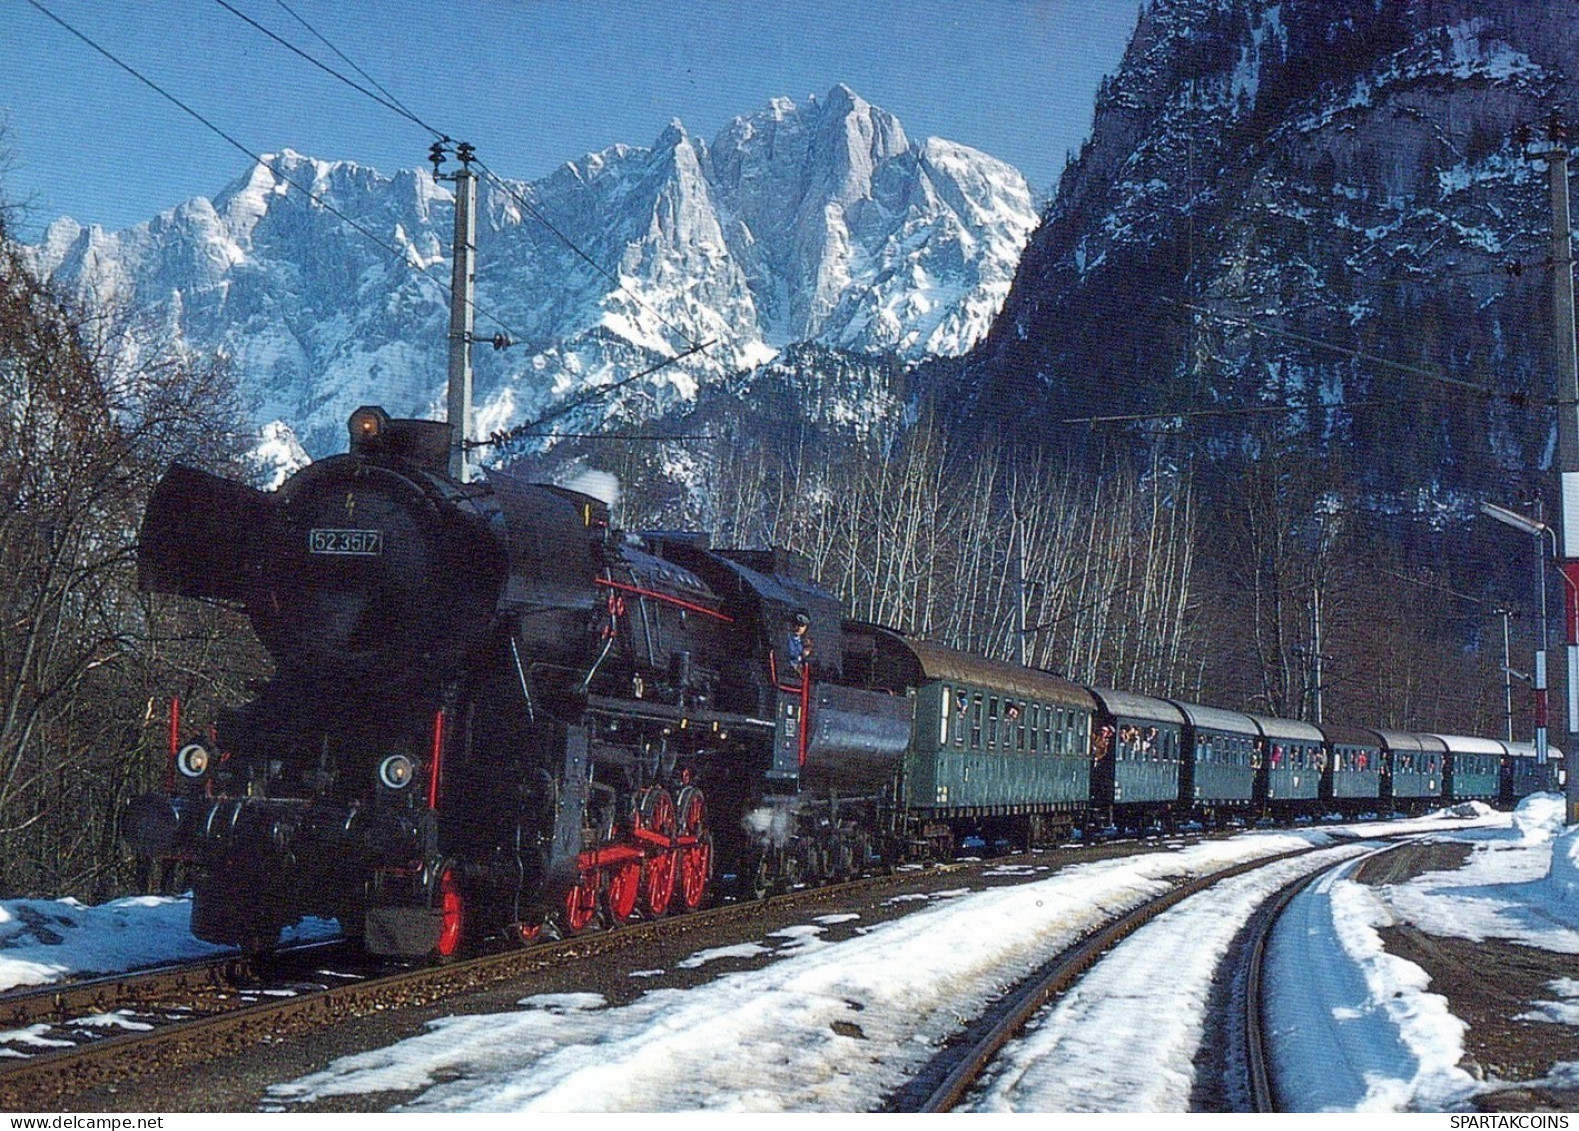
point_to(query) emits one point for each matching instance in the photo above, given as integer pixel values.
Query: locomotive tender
(492, 711)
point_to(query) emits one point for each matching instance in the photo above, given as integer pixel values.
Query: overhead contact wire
(382, 89)
(328, 70)
(317, 198)
(389, 102)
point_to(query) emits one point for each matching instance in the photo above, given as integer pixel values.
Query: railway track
(228, 974)
(1260, 1086)
(201, 1015)
(51, 1078)
(955, 1071)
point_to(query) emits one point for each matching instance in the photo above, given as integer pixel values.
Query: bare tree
(84, 432)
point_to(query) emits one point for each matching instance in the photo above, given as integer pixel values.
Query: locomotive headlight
(367, 423)
(193, 760)
(397, 771)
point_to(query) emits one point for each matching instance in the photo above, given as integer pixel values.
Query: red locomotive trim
(804, 691)
(608, 854)
(437, 759)
(175, 743)
(661, 840)
(666, 598)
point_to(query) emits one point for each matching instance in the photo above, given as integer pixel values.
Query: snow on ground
(821, 1025)
(1124, 1039)
(834, 1027)
(1386, 1042)
(44, 941)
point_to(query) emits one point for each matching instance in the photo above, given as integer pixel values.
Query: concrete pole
(463, 280)
(1507, 677)
(1017, 544)
(1316, 674)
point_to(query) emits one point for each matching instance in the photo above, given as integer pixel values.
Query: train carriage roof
(1128, 705)
(1289, 730)
(1215, 718)
(1527, 750)
(936, 663)
(1340, 735)
(1405, 741)
(1465, 744)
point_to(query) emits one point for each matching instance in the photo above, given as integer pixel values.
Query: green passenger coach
(991, 739)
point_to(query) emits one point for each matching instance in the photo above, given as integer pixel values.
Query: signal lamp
(193, 760)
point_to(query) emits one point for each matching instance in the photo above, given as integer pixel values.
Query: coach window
(1035, 725)
(945, 712)
(992, 721)
(975, 722)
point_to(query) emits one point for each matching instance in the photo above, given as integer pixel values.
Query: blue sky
(530, 84)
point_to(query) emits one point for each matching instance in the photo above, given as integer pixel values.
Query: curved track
(955, 1071)
(1258, 1056)
(1261, 1083)
(944, 1083)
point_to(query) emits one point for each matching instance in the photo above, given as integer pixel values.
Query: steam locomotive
(492, 713)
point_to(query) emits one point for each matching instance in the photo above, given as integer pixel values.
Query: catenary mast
(463, 281)
(1566, 360)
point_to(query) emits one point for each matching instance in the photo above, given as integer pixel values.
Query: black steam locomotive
(490, 709)
(492, 712)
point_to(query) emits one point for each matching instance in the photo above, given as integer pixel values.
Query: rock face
(819, 223)
(1304, 203)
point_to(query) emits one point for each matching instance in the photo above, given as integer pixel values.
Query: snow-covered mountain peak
(820, 223)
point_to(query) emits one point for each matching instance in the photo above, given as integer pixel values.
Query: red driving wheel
(581, 902)
(696, 858)
(656, 815)
(452, 914)
(623, 889)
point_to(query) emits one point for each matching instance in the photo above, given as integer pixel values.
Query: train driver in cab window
(798, 645)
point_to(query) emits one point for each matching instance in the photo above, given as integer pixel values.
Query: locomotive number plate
(357, 543)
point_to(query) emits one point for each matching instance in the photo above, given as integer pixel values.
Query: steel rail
(62, 1001)
(1258, 1058)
